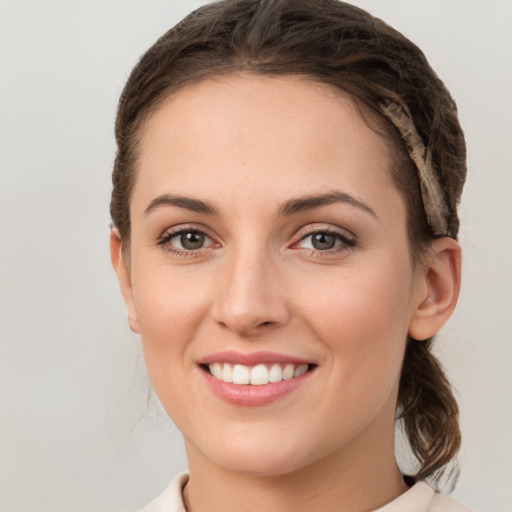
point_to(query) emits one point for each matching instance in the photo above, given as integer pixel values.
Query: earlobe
(437, 290)
(123, 276)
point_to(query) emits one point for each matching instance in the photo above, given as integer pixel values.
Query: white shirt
(419, 498)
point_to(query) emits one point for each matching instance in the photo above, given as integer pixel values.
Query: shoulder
(442, 503)
(422, 498)
(171, 499)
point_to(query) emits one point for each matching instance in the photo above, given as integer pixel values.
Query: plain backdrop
(74, 432)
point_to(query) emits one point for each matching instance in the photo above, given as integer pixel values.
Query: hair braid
(428, 411)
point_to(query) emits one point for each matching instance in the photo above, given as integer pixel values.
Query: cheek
(169, 307)
(363, 324)
(363, 317)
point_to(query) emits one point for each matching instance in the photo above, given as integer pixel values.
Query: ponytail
(428, 413)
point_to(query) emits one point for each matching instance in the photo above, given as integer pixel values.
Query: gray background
(74, 435)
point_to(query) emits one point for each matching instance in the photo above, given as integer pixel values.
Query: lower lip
(249, 395)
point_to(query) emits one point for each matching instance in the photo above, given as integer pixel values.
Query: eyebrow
(193, 205)
(307, 203)
(290, 207)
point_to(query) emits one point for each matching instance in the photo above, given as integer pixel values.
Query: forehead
(276, 136)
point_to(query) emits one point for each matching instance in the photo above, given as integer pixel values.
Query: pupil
(323, 241)
(192, 240)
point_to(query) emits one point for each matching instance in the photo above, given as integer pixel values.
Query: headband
(431, 192)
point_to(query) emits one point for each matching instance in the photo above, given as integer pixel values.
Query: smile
(257, 375)
(254, 379)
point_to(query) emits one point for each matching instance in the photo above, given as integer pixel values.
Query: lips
(254, 379)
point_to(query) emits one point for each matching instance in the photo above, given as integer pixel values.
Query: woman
(285, 222)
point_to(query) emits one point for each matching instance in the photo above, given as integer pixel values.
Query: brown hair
(398, 93)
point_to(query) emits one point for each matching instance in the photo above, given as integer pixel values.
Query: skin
(247, 145)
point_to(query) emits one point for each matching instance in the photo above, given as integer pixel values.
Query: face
(269, 274)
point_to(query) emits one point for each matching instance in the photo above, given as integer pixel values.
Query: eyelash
(166, 238)
(343, 240)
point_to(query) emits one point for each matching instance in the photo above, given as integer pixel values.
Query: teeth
(276, 373)
(259, 375)
(300, 370)
(288, 372)
(241, 374)
(216, 369)
(227, 373)
(256, 375)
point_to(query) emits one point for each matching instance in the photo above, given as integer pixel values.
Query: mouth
(254, 379)
(258, 374)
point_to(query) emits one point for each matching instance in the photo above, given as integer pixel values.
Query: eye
(189, 240)
(325, 241)
(186, 240)
(321, 241)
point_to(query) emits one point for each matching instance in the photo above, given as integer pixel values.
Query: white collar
(419, 498)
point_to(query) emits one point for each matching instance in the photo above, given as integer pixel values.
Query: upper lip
(251, 358)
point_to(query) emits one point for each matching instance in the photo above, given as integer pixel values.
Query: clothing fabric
(419, 498)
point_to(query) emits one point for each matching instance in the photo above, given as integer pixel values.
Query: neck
(347, 480)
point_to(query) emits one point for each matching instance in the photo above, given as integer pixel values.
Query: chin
(259, 457)
(259, 466)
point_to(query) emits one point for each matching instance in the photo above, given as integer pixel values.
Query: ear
(123, 276)
(438, 288)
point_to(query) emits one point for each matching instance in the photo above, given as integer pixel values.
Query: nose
(250, 298)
